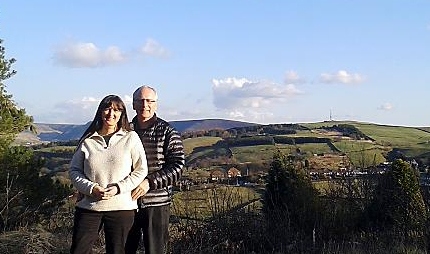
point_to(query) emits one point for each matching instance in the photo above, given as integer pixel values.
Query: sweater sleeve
(139, 165)
(76, 172)
(174, 156)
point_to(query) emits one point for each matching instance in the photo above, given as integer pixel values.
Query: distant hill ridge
(208, 124)
(64, 132)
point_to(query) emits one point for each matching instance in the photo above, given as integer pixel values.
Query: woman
(109, 162)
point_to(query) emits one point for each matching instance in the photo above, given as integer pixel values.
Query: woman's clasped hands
(105, 193)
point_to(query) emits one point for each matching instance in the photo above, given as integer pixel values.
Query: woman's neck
(107, 130)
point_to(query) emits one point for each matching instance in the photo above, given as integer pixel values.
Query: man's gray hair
(139, 91)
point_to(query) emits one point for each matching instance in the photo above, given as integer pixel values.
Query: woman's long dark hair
(97, 123)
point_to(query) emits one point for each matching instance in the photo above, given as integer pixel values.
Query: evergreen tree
(289, 196)
(26, 197)
(398, 203)
(13, 120)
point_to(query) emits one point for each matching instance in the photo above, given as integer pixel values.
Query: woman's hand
(105, 193)
(98, 192)
(110, 191)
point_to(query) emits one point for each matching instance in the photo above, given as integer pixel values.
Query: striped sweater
(165, 155)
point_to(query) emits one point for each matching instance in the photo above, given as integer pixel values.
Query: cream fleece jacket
(122, 162)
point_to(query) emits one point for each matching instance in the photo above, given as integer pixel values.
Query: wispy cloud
(342, 77)
(76, 111)
(154, 49)
(86, 55)
(82, 110)
(386, 106)
(292, 77)
(89, 55)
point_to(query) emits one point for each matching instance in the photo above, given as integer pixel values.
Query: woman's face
(111, 116)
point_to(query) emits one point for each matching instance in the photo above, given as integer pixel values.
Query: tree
(398, 203)
(289, 196)
(29, 197)
(26, 196)
(13, 120)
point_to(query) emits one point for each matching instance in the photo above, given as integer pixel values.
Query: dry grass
(207, 203)
(224, 229)
(32, 240)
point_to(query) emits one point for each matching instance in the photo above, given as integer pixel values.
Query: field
(205, 203)
(191, 143)
(342, 152)
(264, 153)
(409, 138)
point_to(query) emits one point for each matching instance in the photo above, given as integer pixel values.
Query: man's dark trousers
(153, 224)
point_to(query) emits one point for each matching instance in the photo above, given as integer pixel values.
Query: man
(165, 155)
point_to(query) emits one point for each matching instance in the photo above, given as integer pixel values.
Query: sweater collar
(120, 132)
(150, 123)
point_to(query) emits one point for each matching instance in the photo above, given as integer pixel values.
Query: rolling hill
(47, 132)
(255, 143)
(330, 144)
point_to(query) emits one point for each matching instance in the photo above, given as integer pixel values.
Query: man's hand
(140, 190)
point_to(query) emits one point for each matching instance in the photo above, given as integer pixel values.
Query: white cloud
(86, 54)
(342, 77)
(154, 49)
(291, 77)
(234, 92)
(128, 99)
(240, 98)
(80, 111)
(236, 114)
(173, 113)
(113, 54)
(386, 106)
(75, 111)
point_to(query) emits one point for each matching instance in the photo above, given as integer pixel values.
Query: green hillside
(356, 143)
(191, 143)
(410, 140)
(324, 146)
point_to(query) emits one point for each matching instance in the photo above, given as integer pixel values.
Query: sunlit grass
(191, 143)
(56, 149)
(410, 140)
(362, 153)
(255, 153)
(396, 136)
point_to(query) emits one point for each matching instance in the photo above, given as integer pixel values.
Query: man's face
(145, 104)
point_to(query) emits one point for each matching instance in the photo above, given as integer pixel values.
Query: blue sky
(257, 61)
